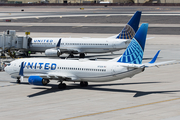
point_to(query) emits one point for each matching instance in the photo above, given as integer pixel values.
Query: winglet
(154, 58)
(58, 44)
(21, 71)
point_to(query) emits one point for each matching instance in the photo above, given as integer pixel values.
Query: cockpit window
(8, 64)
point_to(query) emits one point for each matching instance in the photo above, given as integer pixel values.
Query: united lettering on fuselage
(45, 41)
(47, 66)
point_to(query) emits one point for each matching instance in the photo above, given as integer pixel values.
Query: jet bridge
(10, 42)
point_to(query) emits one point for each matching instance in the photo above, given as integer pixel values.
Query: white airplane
(40, 71)
(58, 46)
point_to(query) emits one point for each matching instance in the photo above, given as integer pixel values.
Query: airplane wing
(62, 76)
(63, 50)
(66, 50)
(152, 62)
(159, 63)
(55, 76)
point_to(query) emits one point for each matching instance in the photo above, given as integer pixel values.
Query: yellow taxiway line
(121, 109)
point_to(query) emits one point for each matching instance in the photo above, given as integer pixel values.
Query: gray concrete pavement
(88, 29)
(153, 94)
(82, 24)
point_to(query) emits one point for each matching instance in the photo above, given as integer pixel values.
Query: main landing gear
(71, 56)
(81, 55)
(83, 83)
(62, 86)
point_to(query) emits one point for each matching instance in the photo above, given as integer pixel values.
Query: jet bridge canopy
(9, 40)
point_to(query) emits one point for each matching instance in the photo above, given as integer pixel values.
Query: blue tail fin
(130, 29)
(134, 52)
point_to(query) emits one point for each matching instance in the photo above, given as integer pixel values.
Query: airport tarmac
(151, 95)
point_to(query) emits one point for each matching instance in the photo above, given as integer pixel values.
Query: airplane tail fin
(130, 29)
(134, 52)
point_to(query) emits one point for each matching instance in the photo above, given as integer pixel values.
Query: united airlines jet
(58, 46)
(40, 71)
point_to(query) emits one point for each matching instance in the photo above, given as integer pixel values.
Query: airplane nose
(5, 68)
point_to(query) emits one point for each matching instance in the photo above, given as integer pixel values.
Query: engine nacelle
(52, 52)
(37, 80)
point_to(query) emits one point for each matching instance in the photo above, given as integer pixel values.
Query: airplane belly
(97, 50)
(38, 49)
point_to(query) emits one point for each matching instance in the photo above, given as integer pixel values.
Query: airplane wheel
(71, 56)
(83, 84)
(82, 55)
(58, 54)
(18, 81)
(62, 86)
(86, 83)
(45, 81)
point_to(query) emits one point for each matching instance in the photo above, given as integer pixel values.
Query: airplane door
(115, 44)
(14, 67)
(113, 70)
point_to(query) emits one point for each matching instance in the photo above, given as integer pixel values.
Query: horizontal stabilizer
(159, 63)
(134, 65)
(152, 62)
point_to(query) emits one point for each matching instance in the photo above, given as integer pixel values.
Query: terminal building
(89, 1)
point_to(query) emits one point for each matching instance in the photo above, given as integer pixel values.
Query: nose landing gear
(81, 55)
(18, 80)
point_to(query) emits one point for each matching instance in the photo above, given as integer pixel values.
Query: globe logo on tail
(133, 53)
(126, 33)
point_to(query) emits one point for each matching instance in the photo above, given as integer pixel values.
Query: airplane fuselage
(81, 45)
(79, 70)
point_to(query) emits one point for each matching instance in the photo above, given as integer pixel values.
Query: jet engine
(52, 52)
(37, 80)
